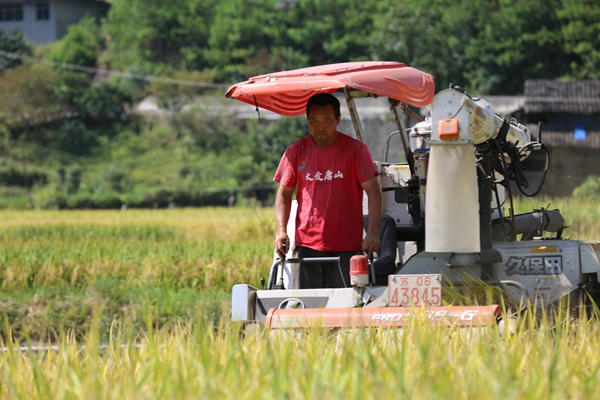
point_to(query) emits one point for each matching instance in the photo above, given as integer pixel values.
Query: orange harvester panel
(385, 316)
(287, 92)
(448, 129)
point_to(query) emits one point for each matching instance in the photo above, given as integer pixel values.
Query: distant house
(561, 102)
(570, 113)
(44, 21)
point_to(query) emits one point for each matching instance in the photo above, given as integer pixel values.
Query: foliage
(580, 30)
(590, 188)
(416, 33)
(13, 42)
(26, 96)
(52, 119)
(249, 38)
(514, 41)
(82, 44)
(156, 36)
(64, 111)
(342, 32)
(266, 144)
(241, 38)
(195, 156)
(173, 97)
(14, 177)
(487, 47)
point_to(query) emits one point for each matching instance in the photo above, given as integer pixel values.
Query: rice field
(208, 362)
(57, 266)
(135, 304)
(175, 248)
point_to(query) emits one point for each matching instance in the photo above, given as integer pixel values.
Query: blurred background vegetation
(70, 139)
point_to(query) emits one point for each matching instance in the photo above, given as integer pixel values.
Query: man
(330, 171)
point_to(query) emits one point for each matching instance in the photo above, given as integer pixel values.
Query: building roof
(576, 97)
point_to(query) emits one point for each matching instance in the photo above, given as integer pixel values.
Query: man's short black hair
(322, 100)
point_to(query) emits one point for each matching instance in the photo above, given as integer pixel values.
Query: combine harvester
(443, 218)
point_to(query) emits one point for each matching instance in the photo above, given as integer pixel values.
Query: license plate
(409, 290)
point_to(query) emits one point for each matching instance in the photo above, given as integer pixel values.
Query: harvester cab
(443, 210)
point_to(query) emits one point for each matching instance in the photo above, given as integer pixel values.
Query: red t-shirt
(329, 191)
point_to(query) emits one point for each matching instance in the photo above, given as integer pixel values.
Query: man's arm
(371, 242)
(283, 205)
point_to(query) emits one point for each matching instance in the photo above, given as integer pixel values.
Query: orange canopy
(287, 92)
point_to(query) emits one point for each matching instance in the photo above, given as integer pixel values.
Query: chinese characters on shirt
(327, 177)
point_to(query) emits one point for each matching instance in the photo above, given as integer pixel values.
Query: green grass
(581, 215)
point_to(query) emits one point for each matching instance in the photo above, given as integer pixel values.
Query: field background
(137, 302)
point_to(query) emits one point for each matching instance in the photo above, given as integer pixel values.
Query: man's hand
(283, 204)
(282, 244)
(371, 243)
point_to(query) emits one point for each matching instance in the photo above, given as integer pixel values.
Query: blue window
(11, 12)
(42, 11)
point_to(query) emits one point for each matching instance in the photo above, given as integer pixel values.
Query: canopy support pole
(353, 114)
(407, 153)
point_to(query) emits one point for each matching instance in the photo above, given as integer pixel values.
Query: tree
(580, 34)
(420, 34)
(82, 44)
(515, 41)
(330, 31)
(266, 143)
(487, 47)
(26, 96)
(13, 42)
(157, 36)
(243, 36)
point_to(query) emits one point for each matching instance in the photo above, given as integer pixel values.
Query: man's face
(322, 125)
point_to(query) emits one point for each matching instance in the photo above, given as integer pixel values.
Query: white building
(44, 21)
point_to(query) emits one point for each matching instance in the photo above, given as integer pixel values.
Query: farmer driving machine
(443, 220)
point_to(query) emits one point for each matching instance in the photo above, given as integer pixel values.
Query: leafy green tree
(157, 36)
(13, 42)
(253, 37)
(242, 36)
(103, 103)
(580, 33)
(515, 41)
(26, 96)
(421, 35)
(487, 47)
(82, 44)
(330, 31)
(97, 104)
(266, 143)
